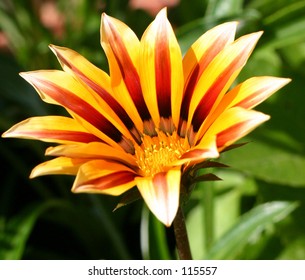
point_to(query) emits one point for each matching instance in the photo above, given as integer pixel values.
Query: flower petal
(93, 150)
(161, 194)
(58, 87)
(51, 129)
(218, 77)
(161, 72)
(60, 165)
(252, 92)
(96, 79)
(204, 150)
(233, 124)
(198, 57)
(122, 48)
(104, 177)
(246, 95)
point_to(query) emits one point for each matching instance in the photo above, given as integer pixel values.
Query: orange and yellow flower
(156, 114)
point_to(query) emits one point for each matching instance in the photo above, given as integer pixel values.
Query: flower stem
(182, 242)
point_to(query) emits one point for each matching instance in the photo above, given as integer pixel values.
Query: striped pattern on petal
(253, 91)
(198, 57)
(161, 194)
(96, 79)
(233, 124)
(59, 165)
(206, 149)
(51, 129)
(247, 95)
(161, 73)
(93, 150)
(58, 87)
(105, 177)
(218, 77)
(122, 48)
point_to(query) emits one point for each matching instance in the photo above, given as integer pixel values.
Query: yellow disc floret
(158, 153)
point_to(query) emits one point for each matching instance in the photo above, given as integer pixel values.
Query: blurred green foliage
(256, 212)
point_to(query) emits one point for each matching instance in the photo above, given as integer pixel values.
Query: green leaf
(219, 216)
(153, 237)
(15, 232)
(286, 14)
(269, 161)
(219, 8)
(250, 226)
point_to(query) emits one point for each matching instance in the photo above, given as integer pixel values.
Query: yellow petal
(51, 129)
(252, 92)
(58, 87)
(206, 149)
(122, 48)
(74, 63)
(218, 77)
(60, 165)
(161, 71)
(93, 150)
(198, 57)
(104, 177)
(246, 95)
(206, 47)
(233, 124)
(161, 194)
(96, 79)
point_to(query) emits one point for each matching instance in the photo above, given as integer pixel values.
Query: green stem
(182, 242)
(208, 205)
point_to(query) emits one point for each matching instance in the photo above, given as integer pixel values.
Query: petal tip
(285, 81)
(54, 48)
(105, 19)
(258, 34)
(11, 132)
(34, 173)
(162, 14)
(28, 76)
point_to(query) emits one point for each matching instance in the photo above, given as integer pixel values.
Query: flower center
(158, 153)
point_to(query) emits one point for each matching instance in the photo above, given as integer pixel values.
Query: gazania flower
(154, 117)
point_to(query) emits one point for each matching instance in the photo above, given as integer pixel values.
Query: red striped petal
(161, 194)
(58, 166)
(161, 73)
(96, 79)
(93, 150)
(60, 88)
(233, 124)
(122, 49)
(247, 95)
(198, 57)
(216, 80)
(254, 91)
(99, 176)
(51, 129)
(224, 78)
(204, 150)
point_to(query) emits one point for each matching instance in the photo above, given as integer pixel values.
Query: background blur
(256, 212)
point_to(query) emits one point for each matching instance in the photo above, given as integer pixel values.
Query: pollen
(159, 153)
